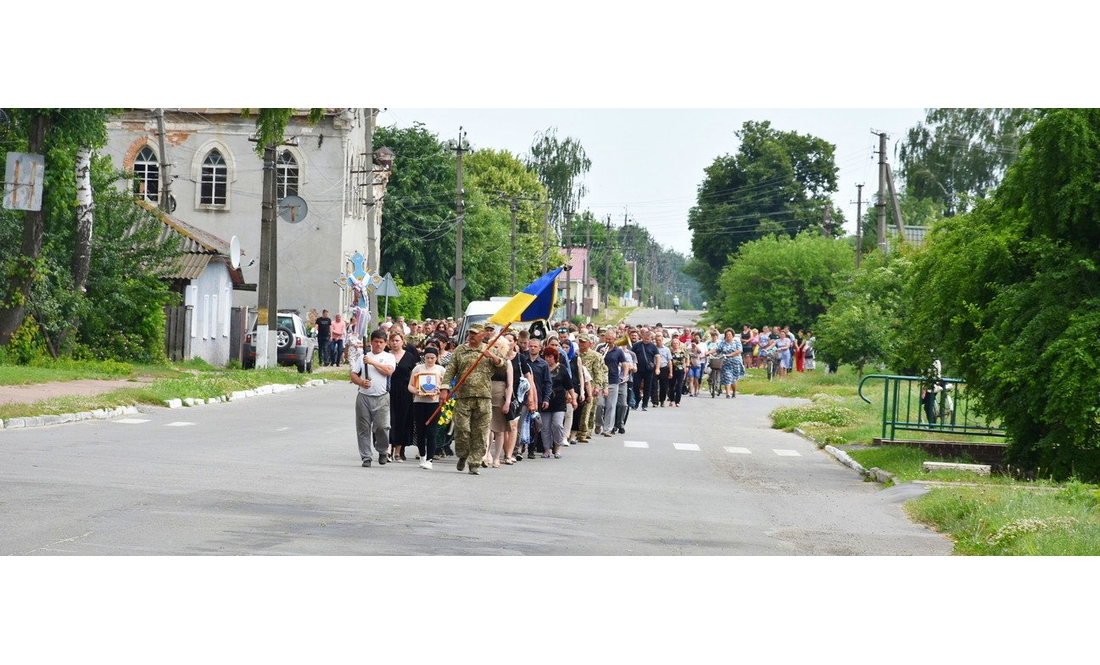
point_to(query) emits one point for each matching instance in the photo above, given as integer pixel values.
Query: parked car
(294, 346)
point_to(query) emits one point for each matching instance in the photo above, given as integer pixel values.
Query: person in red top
(336, 342)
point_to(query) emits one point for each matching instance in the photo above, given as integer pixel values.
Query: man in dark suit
(645, 386)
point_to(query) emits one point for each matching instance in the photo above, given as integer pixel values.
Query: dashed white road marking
(130, 421)
(635, 444)
(787, 453)
(738, 451)
(686, 446)
(179, 424)
(282, 429)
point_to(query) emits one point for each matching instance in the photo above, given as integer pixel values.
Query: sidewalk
(79, 388)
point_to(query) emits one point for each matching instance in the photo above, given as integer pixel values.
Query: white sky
(648, 163)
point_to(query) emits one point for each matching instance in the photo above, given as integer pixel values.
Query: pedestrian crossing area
(733, 450)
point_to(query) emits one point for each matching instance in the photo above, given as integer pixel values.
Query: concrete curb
(177, 403)
(876, 474)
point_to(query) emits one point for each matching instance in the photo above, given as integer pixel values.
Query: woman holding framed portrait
(424, 386)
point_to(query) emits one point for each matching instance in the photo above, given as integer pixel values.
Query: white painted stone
(980, 469)
(16, 423)
(173, 403)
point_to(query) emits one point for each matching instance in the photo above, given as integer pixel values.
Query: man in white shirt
(371, 372)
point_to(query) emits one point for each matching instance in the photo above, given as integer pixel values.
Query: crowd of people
(492, 400)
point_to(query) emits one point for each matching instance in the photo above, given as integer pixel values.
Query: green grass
(995, 515)
(152, 385)
(1000, 521)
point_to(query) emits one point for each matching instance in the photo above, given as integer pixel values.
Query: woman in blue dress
(733, 368)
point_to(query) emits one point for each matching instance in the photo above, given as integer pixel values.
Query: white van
(479, 311)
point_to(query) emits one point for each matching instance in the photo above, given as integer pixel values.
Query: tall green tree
(1009, 295)
(957, 155)
(503, 181)
(58, 134)
(782, 280)
(561, 165)
(777, 183)
(419, 217)
(858, 328)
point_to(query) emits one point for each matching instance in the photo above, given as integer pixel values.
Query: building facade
(206, 163)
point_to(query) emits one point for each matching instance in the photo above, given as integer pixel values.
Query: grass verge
(1001, 521)
(991, 516)
(152, 385)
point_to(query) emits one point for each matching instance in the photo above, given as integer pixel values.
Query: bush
(828, 414)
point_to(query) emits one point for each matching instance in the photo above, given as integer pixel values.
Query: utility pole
(897, 207)
(607, 271)
(587, 259)
(165, 177)
(267, 320)
(882, 192)
(827, 222)
(374, 232)
(460, 206)
(515, 209)
(569, 295)
(859, 222)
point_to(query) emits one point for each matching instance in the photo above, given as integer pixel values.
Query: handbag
(514, 408)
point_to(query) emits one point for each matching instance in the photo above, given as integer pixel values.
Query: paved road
(666, 317)
(279, 474)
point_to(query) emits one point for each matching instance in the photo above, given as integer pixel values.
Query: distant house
(579, 288)
(215, 182)
(204, 276)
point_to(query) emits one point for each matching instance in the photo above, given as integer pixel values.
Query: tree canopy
(1010, 295)
(782, 280)
(958, 156)
(777, 183)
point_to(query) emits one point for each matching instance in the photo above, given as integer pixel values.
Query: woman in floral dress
(733, 368)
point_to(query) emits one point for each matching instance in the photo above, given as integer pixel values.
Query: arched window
(215, 178)
(286, 176)
(146, 175)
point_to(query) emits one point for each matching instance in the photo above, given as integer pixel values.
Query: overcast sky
(648, 163)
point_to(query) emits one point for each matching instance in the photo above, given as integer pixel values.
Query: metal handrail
(950, 407)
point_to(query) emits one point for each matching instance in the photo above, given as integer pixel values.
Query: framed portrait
(426, 383)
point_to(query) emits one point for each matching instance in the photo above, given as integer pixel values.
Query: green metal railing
(905, 408)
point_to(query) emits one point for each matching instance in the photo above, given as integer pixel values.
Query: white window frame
(197, 163)
(147, 167)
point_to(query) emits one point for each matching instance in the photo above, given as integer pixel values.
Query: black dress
(401, 418)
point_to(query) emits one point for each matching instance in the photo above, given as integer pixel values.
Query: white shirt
(379, 382)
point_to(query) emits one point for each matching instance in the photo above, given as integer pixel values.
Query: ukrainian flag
(534, 302)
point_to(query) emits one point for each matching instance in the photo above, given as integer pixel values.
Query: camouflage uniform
(598, 369)
(473, 402)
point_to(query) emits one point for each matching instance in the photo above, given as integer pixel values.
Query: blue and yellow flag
(534, 302)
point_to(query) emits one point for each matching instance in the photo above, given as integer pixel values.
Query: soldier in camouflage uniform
(597, 389)
(473, 399)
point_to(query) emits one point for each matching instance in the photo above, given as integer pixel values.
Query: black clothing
(645, 352)
(401, 400)
(543, 386)
(561, 384)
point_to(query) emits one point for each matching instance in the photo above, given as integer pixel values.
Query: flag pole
(466, 373)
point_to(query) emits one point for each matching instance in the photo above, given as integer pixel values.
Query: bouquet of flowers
(447, 413)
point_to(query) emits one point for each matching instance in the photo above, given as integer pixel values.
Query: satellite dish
(235, 252)
(293, 209)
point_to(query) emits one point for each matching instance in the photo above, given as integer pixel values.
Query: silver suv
(295, 347)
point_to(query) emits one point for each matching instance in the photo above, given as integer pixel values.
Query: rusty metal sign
(23, 179)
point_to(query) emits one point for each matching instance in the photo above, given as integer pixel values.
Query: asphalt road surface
(279, 474)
